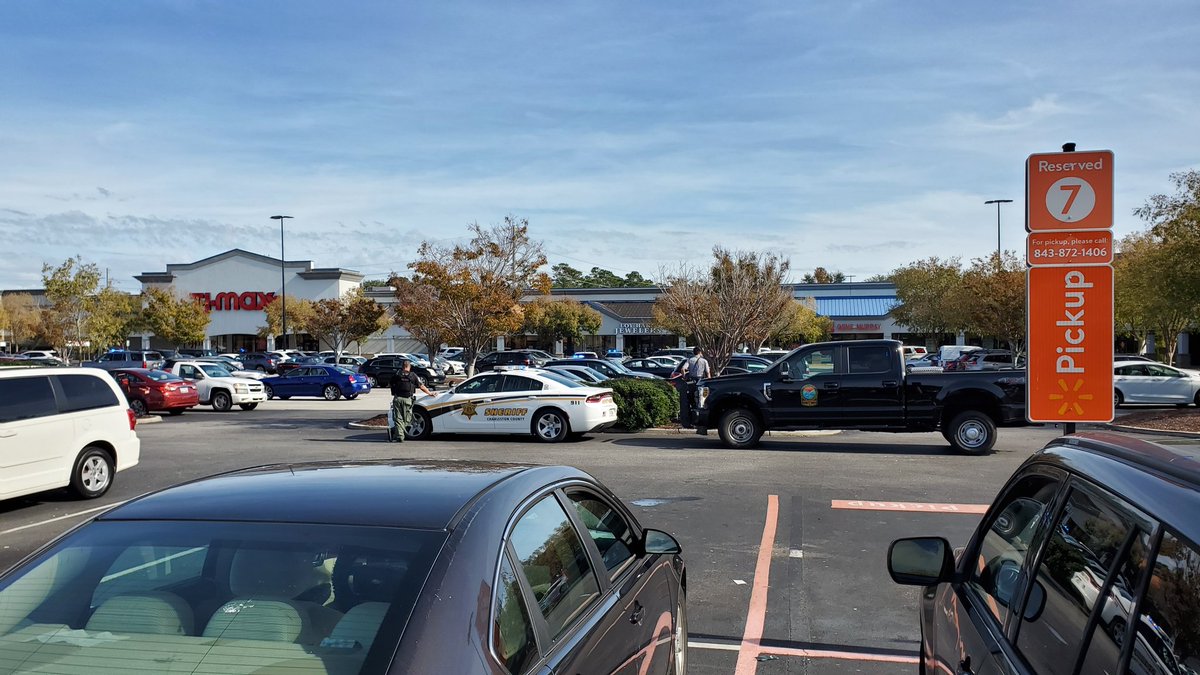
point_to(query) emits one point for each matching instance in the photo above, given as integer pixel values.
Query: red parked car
(156, 390)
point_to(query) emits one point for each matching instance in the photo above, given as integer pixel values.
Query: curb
(663, 431)
(1153, 432)
(359, 425)
(149, 419)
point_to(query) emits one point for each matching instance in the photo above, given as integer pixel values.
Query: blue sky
(633, 135)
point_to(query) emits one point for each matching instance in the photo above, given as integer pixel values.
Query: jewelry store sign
(639, 329)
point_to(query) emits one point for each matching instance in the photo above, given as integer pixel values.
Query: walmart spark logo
(1070, 397)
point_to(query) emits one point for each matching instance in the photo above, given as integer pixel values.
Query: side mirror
(658, 542)
(922, 561)
(1036, 601)
(785, 373)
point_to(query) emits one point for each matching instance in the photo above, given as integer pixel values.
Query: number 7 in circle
(1074, 190)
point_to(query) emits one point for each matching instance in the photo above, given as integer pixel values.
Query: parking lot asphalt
(780, 581)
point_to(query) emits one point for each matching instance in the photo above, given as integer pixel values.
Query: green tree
(737, 300)
(823, 276)
(1154, 288)
(113, 317)
(994, 299)
(563, 275)
(479, 286)
(70, 290)
(930, 295)
(178, 320)
(553, 320)
(798, 324)
(375, 283)
(1171, 255)
(340, 321)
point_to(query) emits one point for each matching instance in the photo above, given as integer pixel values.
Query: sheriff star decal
(468, 410)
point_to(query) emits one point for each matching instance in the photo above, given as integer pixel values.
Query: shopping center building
(237, 285)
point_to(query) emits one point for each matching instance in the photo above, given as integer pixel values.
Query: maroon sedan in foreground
(156, 390)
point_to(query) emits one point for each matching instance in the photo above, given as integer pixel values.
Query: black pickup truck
(861, 384)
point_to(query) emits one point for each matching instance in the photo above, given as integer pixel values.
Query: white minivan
(63, 427)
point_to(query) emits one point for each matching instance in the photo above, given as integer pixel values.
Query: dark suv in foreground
(1088, 562)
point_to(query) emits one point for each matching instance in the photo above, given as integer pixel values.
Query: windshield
(160, 376)
(195, 591)
(561, 379)
(215, 371)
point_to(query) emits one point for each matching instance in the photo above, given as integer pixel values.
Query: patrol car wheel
(421, 426)
(550, 426)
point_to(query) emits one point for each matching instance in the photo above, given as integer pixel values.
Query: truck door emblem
(808, 395)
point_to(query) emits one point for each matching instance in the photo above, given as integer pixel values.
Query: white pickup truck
(218, 388)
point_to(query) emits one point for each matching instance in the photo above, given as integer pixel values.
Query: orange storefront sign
(1069, 191)
(1070, 376)
(1069, 248)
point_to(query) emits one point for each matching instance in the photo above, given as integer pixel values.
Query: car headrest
(375, 581)
(145, 613)
(271, 573)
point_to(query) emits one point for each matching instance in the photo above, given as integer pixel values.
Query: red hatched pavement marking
(747, 662)
(926, 507)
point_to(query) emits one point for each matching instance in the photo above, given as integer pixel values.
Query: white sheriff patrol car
(516, 401)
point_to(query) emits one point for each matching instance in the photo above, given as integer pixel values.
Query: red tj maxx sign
(253, 301)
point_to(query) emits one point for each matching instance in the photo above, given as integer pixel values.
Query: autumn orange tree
(338, 322)
(474, 290)
(799, 323)
(930, 295)
(299, 312)
(737, 300)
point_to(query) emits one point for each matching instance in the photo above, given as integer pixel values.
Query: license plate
(185, 389)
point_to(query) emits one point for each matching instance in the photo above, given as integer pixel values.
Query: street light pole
(998, 202)
(282, 281)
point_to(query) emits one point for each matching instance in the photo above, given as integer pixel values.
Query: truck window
(870, 359)
(809, 364)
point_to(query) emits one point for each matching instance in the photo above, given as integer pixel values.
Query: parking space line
(924, 507)
(756, 618)
(836, 654)
(55, 520)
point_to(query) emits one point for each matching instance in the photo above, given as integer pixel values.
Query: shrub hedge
(642, 404)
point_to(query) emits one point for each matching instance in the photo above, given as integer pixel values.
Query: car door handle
(7, 434)
(832, 385)
(639, 613)
(890, 383)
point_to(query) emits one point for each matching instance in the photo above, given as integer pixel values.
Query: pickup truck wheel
(332, 393)
(972, 432)
(247, 406)
(93, 473)
(740, 428)
(221, 402)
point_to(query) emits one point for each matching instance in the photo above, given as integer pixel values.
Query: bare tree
(738, 300)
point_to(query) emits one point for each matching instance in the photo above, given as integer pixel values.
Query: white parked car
(218, 388)
(545, 404)
(1145, 382)
(63, 427)
(451, 353)
(42, 354)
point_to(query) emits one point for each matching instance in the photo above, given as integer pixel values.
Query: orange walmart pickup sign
(1069, 191)
(1063, 249)
(1070, 342)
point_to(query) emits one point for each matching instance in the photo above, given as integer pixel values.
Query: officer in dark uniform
(404, 384)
